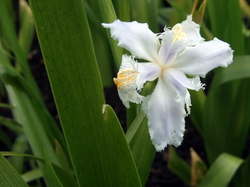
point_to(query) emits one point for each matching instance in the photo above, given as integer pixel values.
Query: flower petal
(126, 81)
(174, 76)
(165, 116)
(136, 38)
(200, 59)
(148, 72)
(169, 48)
(188, 30)
(179, 83)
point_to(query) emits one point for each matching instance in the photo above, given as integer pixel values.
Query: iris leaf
(9, 177)
(221, 171)
(98, 150)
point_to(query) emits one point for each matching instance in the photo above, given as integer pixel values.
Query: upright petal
(169, 48)
(165, 116)
(136, 38)
(188, 30)
(202, 58)
(126, 81)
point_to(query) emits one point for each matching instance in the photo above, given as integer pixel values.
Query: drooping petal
(136, 38)
(174, 76)
(165, 116)
(200, 59)
(126, 81)
(188, 30)
(179, 83)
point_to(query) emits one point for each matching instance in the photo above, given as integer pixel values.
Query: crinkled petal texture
(131, 78)
(172, 55)
(200, 59)
(165, 116)
(126, 81)
(191, 30)
(136, 38)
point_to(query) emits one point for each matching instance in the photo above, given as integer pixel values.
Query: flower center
(126, 78)
(178, 34)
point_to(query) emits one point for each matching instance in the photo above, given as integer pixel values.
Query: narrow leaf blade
(8, 175)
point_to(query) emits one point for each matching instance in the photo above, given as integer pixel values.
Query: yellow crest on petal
(125, 78)
(178, 33)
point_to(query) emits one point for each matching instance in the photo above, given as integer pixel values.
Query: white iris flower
(169, 57)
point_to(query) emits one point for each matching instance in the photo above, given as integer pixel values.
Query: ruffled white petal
(136, 38)
(202, 58)
(165, 116)
(171, 56)
(188, 30)
(126, 81)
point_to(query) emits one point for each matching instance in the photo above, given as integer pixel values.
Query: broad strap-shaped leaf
(66, 44)
(241, 178)
(9, 177)
(221, 171)
(125, 165)
(141, 146)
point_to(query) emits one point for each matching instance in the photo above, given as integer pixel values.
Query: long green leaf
(218, 17)
(198, 101)
(29, 115)
(227, 15)
(125, 162)
(241, 178)
(101, 45)
(67, 49)
(32, 175)
(8, 29)
(222, 171)
(123, 9)
(9, 177)
(29, 109)
(178, 166)
(235, 28)
(142, 148)
(226, 119)
(145, 11)
(20, 146)
(65, 177)
(52, 177)
(108, 16)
